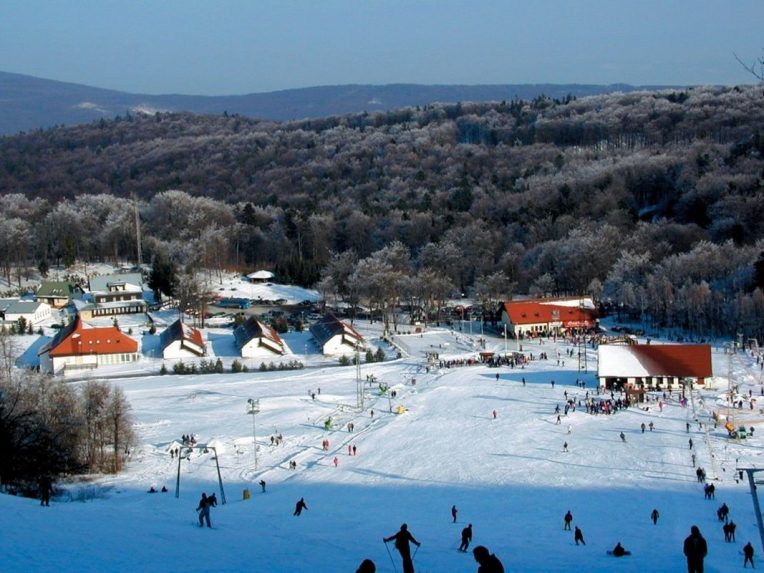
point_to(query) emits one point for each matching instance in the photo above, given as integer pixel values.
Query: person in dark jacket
(204, 511)
(299, 506)
(46, 488)
(748, 552)
(489, 563)
(402, 539)
(654, 516)
(366, 566)
(454, 511)
(466, 538)
(619, 551)
(695, 549)
(567, 519)
(578, 536)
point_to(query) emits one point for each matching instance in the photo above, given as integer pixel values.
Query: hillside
(508, 476)
(650, 200)
(31, 103)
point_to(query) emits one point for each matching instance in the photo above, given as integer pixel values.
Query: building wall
(61, 364)
(336, 346)
(253, 349)
(177, 350)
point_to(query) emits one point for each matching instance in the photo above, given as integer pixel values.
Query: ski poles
(391, 557)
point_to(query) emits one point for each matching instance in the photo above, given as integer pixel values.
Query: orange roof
(93, 340)
(692, 360)
(539, 312)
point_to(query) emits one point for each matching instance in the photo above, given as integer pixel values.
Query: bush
(379, 355)
(163, 370)
(344, 360)
(236, 366)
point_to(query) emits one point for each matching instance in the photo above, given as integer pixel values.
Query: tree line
(52, 429)
(650, 200)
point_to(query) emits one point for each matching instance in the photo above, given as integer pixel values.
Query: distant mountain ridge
(28, 103)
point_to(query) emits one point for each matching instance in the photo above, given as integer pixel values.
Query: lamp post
(254, 408)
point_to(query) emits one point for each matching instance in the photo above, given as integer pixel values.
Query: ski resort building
(112, 297)
(78, 346)
(335, 337)
(640, 367)
(58, 294)
(257, 340)
(260, 277)
(11, 310)
(180, 340)
(547, 317)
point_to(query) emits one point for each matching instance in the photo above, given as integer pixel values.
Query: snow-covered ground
(507, 476)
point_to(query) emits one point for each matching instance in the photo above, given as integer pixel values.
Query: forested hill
(31, 103)
(640, 197)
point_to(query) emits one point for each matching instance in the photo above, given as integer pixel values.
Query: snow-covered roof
(643, 360)
(261, 275)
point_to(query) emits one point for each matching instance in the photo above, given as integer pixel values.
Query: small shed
(260, 276)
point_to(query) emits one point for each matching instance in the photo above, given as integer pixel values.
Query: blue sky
(244, 46)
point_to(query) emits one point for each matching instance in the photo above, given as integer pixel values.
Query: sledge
(625, 553)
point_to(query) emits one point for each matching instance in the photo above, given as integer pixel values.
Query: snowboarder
(466, 538)
(402, 539)
(748, 552)
(488, 562)
(204, 511)
(695, 549)
(578, 536)
(454, 512)
(300, 506)
(46, 488)
(623, 437)
(567, 519)
(262, 484)
(654, 516)
(366, 566)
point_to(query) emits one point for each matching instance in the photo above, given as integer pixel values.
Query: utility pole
(254, 408)
(137, 230)
(358, 381)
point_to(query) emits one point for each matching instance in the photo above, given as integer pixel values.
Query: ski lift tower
(358, 380)
(755, 497)
(582, 364)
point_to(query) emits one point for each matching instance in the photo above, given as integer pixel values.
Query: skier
(453, 512)
(46, 487)
(654, 516)
(565, 447)
(262, 484)
(690, 442)
(748, 552)
(623, 437)
(300, 506)
(336, 461)
(366, 566)
(489, 563)
(568, 518)
(651, 426)
(466, 538)
(732, 526)
(402, 539)
(643, 431)
(497, 377)
(204, 511)
(695, 549)
(578, 536)
(354, 449)
(722, 512)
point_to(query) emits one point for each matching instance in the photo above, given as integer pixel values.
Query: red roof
(691, 360)
(538, 312)
(93, 340)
